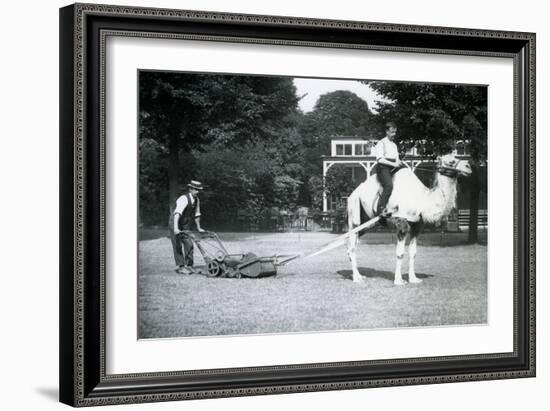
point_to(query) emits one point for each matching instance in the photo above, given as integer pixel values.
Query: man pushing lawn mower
(186, 215)
(218, 261)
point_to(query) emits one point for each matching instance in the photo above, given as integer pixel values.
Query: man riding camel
(387, 158)
(186, 215)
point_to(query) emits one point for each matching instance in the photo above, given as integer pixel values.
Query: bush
(338, 181)
(153, 183)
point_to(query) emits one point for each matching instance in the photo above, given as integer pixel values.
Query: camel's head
(451, 166)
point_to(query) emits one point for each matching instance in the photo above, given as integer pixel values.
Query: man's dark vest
(188, 216)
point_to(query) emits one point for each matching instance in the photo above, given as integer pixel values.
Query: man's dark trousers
(183, 257)
(182, 245)
(185, 222)
(385, 179)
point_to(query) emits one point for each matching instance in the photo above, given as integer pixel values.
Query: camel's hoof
(399, 282)
(359, 279)
(415, 280)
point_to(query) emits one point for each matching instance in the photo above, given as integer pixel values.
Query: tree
(286, 191)
(336, 113)
(197, 113)
(182, 110)
(152, 178)
(433, 117)
(338, 181)
(316, 189)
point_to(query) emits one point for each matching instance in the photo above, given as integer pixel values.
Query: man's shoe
(185, 270)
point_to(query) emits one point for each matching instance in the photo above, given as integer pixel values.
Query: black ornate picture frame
(83, 32)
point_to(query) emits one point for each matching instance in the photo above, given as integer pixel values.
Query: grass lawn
(310, 295)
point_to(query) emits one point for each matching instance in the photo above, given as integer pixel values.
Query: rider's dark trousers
(385, 179)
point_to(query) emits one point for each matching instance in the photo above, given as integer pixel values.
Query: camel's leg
(402, 231)
(353, 239)
(412, 253)
(399, 253)
(415, 229)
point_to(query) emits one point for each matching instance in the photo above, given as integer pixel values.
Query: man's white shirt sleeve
(198, 208)
(181, 203)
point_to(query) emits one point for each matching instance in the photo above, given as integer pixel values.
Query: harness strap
(448, 172)
(445, 171)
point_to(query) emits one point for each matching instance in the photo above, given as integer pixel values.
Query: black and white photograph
(336, 202)
(278, 204)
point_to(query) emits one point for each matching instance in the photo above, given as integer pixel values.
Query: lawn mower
(219, 263)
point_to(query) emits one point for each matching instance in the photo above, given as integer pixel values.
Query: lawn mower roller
(219, 263)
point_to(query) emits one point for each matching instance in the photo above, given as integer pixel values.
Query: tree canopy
(434, 117)
(220, 109)
(336, 113)
(228, 131)
(245, 138)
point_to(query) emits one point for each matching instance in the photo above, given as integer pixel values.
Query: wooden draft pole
(337, 242)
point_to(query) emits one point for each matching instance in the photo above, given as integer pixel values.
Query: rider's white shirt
(385, 148)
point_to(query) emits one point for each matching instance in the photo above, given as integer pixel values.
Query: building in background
(355, 154)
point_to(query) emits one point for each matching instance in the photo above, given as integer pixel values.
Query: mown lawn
(310, 295)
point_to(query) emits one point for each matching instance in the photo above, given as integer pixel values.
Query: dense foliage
(434, 117)
(224, 130)
(245, 138)
(339, 113)
(338, 182)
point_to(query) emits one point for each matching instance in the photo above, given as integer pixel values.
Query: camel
(412, 204)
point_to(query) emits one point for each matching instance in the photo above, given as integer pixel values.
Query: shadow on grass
(371, 273)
